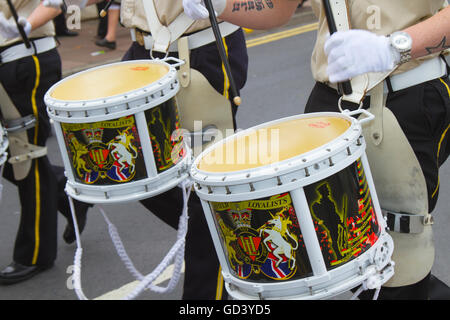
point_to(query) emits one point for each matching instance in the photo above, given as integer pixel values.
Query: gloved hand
(196, 8)
(355, 52)
(53, 3)
(8, 28)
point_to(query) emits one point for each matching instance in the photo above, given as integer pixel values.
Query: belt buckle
(139, 38)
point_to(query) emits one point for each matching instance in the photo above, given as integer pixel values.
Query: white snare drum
(292, 209)
(117, 130)
(4, 144)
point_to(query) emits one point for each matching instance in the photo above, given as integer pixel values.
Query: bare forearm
(259, 14)
(431, 35)
(41, 15)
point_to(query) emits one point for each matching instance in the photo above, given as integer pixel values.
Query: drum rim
(367, 258)
(282, 167)
(103, 66)
(63, 111)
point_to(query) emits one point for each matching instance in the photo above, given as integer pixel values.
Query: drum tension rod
(349, 151)
(252, 188)
(307, 172)
(279, 181)
(330, 161)
(358, 141)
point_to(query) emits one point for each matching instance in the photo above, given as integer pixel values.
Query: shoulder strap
(164, 35)
(363, 83)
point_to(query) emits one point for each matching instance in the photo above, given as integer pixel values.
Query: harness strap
(164, 35)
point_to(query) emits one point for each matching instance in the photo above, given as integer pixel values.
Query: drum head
(108, 81)
(273, 143)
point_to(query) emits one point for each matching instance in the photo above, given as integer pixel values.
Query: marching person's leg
(36, 243)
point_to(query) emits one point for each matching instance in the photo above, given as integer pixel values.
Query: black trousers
(41, 193)
(202, 280)
(423, 112)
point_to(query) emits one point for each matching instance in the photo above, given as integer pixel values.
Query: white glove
(196, 8)
(8, 28)
(53, 3)
(355, 52)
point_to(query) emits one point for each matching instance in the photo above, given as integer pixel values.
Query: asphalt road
(278, 85)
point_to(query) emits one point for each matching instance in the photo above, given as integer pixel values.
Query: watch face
(402, 42)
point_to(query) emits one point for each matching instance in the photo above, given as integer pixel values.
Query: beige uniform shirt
(382, 17)
(24, 9)
(132, 14)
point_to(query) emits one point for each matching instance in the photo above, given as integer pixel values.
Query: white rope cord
(1, 181)
(78, 255)
(175, 253)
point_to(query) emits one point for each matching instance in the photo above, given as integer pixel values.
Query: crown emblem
(92, 135)
(242, 218)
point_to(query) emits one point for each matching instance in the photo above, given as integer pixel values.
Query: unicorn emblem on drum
(278, 235)
(123, 151)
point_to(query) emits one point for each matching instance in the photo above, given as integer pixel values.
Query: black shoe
(17, 272)
(81, 209)
(105, 43)
(66, 33)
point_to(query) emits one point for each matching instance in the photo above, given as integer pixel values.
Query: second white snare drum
(292, 209)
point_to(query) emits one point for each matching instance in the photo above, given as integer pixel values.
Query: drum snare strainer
(292, 209)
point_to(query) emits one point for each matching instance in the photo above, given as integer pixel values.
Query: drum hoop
(314, 285)
(116, 106)
(339, 144)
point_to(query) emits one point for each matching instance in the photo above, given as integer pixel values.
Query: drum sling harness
(204, 113)
(22, 152)
(398, 177)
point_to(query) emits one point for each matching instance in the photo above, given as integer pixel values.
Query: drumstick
(19, 26)
(64, 7)
(346, 86)
(104, 11)
(215, 27)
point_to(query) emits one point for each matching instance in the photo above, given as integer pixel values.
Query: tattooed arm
(431, 35)
(259, 14)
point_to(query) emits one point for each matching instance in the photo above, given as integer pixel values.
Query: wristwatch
(401, 42)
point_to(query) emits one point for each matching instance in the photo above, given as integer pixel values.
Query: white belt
(21, 51)
(195, 40)
(428, 70)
